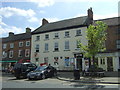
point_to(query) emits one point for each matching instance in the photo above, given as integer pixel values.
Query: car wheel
(30, 78)
(43, 76)
(18, 77)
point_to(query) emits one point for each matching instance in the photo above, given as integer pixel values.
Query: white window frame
(118, 44)
(46, 36)
(4, 54)
(46, 47)
(78, 32)
(37, 38)
(67, 45)
(20, 44)
(67, 34)
(4, 46)
(56, 46)
(11, 45)
(20, 53)
(37, 47)
(27, 53)
(56, 35)
(10, 54)
(27, 43)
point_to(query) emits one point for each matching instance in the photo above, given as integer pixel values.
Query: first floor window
(66, 45)
(46, 46)
(20, 53)
(37, 48)
(78, 44)
(56, 46)
(27, 52)
(67, 61)
(10, 54)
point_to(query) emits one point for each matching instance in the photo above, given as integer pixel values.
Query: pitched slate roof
(17, 37)
(111, 21)
(68, 23)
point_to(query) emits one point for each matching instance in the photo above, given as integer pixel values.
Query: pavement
(68, 76)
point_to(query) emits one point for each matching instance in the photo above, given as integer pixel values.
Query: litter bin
(76, 74)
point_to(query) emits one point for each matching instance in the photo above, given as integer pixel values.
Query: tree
(96, 36)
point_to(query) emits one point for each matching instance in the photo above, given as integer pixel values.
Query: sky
(17, 15)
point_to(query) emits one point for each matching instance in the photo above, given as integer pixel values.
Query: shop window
(67, 61)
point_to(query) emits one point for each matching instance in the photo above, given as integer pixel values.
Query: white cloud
(43, 3)
(10, 11)
(5, 29)
(52, 19)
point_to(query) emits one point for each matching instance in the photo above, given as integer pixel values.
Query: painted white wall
(51, 54)
(115, 57)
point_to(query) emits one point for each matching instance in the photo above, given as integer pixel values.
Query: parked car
(22, 69)
(42, 72)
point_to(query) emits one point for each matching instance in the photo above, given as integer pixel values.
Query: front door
(79, 62)
(109, 64)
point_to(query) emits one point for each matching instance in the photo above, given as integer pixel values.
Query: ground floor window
(67, 61)
(55, 60)
(46, 60)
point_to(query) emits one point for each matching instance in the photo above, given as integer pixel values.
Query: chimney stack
(44, 21)
(11, 34)
(90, 13)
(28, 30)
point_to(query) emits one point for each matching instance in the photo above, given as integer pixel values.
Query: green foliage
(96, 36)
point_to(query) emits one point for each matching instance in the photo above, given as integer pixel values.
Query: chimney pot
(44, 21)
(90, 13)
(11, 34)
(28, 30)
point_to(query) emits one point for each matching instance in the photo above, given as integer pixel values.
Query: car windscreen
(41, 68)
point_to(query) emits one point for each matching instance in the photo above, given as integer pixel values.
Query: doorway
(109, 64)
(79, 62)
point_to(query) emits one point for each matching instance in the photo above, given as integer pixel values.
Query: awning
(9, 61)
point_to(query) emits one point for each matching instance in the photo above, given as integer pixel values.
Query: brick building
(16, 48)
(110, 59)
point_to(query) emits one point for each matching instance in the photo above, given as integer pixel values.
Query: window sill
(45, 51)
(46, 39)
(37, 40)
(56, 38)
(67, 37)
(67, 50)
(56, 51)
(77, 49)
(78, 35)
